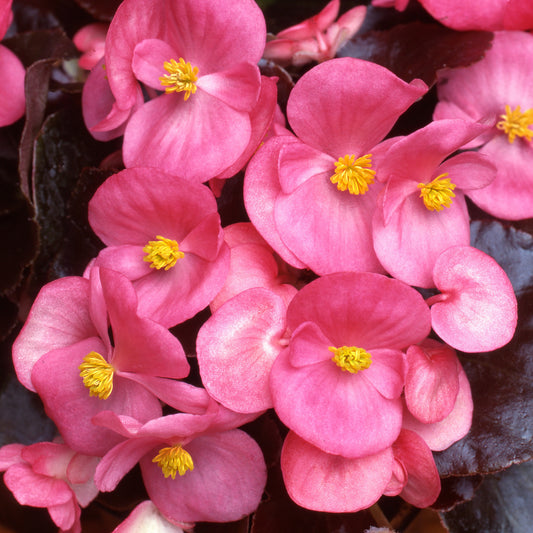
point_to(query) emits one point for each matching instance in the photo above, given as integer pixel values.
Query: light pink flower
(50, 475)
(146, 517)
(164, 234)
(90, 40)
(297, 190)
(12, 97)
(205, 58)
(317, 38)
(422, 210)
(498, 90)
(338, 383)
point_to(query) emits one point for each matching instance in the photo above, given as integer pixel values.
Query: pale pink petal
(354, 119)
(147, 517)
(10, 454)
(127, 259)
(337, 411)
(237, 346)
(58, 318)
(423, 481)
(65, 515)
(330, 483)
(48, 458)
(226, 484)
(80, 475)
(478, 311)
(441, 435)
(12, 97)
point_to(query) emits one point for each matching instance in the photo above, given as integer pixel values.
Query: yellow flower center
(181, 77)
(351, 358)
(174, 459)
(516, 124)
(438, 193)
(353, 174)
(97, 375)
(162, 253)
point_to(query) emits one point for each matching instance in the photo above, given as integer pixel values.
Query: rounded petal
(12, 97)
(331, 483)
(147, 517)
(455, 14)
(478, 312)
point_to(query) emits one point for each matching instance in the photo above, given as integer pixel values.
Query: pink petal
(12, 97)
(147, 517)
(469, 170)
(318, 111)
(66, 515)
(6, 16)
(322, 482)
(386, 372)
(431, 381)
(455, 14)
(479, 311)
(441, 435)
(58, 318)
(149, 57)
(226, 484)
(309, 27)
(10, 454)
(237, 346)
(518, 15)
(423, 481)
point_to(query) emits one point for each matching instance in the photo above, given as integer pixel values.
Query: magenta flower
(498, 90)
(66, 336)
(12, 97)
(50, 475)
(422, 210)
(313, 198)
(204, 56)
(348, 330)
(317, 38)
(164, 234)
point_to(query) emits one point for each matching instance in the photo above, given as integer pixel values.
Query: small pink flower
(50, 475)
(315, 39)
(90, 40)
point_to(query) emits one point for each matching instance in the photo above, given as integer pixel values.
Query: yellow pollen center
(516, 124)
(438, 193)
(174, 459)
(181, 77)
(97, 375)
(162, 253)
(353, 174)
(351, 358)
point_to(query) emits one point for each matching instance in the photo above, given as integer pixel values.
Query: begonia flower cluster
(313, 307)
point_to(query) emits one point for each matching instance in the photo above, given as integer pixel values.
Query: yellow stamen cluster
(516, 124)
(174, 459)
(181, 77)
(438, 193)
(351, 358)
(162, 253)
(97, 375)
(353, 174)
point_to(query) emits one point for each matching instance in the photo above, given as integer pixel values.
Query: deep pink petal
(518, 15)
(455, 14)
(6, 16)
(431, 381)
(346, 106)
(479, 311)
(362, 309)
(65, 516)
(148, 61)
(330, 483)
(423, 481)
(12, 97)
(441, 435)
(469, 170)
(307, 346)
(226, 484)
(339, 412)
(58, 318)
(386, 372)
(237, 346)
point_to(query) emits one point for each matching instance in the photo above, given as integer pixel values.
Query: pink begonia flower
(431, 380)
(102, 117)
(66, 336)
(476, 310)
(499, 91)
(50, 475)
(317, 38)
(90, 40)
(415, 476)
(195, 467)
(422, 210)
(146, 517)
(237, 346)
(441, 435)
(252, 264)
(307, 196)
(12, 96)
(205, 59)
(338, 383)
(164, 234)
